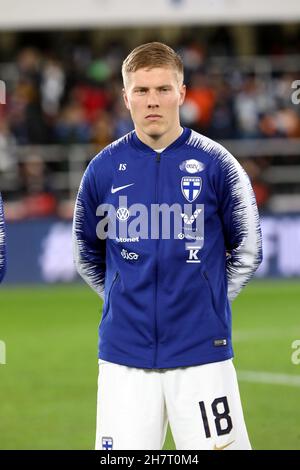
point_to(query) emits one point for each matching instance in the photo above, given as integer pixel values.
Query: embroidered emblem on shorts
(107, 443)
(220, 342)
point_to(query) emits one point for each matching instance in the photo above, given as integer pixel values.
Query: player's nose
(152, 99)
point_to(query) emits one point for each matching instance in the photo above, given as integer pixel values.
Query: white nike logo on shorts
(115, 190)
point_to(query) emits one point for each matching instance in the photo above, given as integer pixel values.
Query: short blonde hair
(151, 55)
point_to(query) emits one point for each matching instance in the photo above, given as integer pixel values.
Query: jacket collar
(174, 145)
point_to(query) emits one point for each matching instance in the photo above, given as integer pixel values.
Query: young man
(2, 242)
(166, 230)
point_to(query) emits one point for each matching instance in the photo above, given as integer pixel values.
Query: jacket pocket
(114, 281)
(213, 300)
(211, 291)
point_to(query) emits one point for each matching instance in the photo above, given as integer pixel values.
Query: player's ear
(125, 98)
(182, 92)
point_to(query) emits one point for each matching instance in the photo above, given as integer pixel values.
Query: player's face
(153, 97)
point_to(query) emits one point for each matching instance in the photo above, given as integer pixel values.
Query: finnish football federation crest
(192, 166)
(191, 187)
(107, 443)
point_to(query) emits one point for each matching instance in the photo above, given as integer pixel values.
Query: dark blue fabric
(2, 242)
(161, 311)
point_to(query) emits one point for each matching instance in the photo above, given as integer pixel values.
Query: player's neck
(160, 142)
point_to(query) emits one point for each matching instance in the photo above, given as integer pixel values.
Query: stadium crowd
(72, 96)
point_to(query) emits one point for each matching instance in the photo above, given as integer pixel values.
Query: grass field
(48, 386)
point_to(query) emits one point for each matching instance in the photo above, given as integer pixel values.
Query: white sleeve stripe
(87, 270)
(247, 256)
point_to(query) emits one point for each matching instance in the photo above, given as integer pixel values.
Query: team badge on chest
(191, 187)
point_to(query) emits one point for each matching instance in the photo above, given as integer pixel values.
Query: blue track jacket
(166, 298)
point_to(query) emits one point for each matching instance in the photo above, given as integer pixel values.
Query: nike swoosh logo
(115, 190)
(222, 447)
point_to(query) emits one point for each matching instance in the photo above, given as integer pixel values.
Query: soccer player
(2, 242)
(165, 350)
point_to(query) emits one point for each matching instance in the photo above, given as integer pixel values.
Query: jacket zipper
(157, 159)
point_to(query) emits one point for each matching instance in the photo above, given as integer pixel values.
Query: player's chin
(155, 129)
(154, 124)
(155, 135)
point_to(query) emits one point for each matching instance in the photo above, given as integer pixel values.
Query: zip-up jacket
(167, 296)
(2, 242)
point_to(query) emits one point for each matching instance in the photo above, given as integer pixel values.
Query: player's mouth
(153, 117)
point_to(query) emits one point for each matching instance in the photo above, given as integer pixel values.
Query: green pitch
(48, 386)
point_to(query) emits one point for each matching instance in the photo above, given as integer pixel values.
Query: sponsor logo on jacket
(190, 219)
(127, 240)
(129, 255)
(192, 166)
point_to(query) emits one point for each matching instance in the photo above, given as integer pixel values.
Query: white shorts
(201, 403)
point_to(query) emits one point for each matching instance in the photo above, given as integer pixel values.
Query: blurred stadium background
(60, 70)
